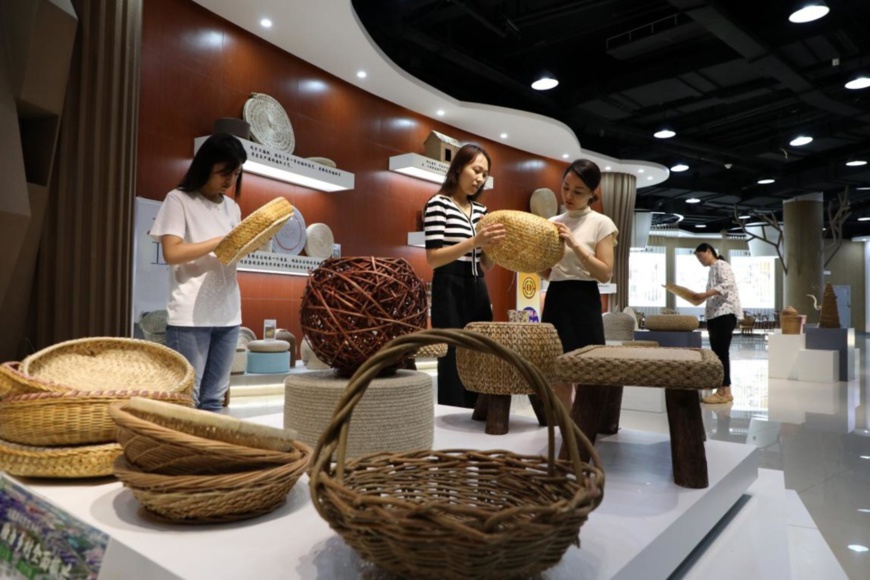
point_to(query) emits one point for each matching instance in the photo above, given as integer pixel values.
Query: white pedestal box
(782, 355)
(818, 366)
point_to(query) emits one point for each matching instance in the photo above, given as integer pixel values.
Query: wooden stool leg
(498, 410)
(538, 408)
(588, 407)
(480, 408)
(687, 438)
(610, 417)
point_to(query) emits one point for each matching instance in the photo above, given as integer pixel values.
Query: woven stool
(640, 343)
(396, 414)
(495, 380)
(681, 371)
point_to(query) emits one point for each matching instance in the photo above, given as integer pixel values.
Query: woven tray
(456, 513)
(683, 293)
(269, 122)
(111, 364)
(58, 462)
(253, 231)
(13, 382)
(70, 418)
(532, 243)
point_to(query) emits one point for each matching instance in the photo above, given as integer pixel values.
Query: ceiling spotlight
(864, 219)
(679, 168)
(640, 170)
(664, 133)
(546, 82)
(608, 168)
(766, 181)
(361, 74)
(503, 135)
(700, 225)
(744, 217)
(266, 23)
(856, 162)
(859, 81)
(440, 112)
(649, 177)
(807, 11)
(565, 156)
(693, 200)
(800, 140)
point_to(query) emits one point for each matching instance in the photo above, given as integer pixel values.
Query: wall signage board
(150, 273)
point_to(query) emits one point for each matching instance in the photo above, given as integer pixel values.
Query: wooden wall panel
(198, 68)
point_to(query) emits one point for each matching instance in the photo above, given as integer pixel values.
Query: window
(689, 273)
(646, 277)
(756, 280)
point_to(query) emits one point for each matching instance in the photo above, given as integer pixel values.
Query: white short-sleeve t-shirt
(203, 292)
(589, 227)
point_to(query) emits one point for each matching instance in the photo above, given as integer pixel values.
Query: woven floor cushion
(675, 322)
(618, 326)
(682, 368)
(269, 346)
(396, 414)
(536, 342)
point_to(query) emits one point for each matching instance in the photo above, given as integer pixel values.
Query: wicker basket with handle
(456, 513)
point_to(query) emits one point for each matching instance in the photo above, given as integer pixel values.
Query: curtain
(618, 191)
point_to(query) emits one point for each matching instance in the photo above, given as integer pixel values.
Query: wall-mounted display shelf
(423, 167)
(275, 263)
(280, 165)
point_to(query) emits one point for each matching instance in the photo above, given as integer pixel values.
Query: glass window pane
(756, 280)
(689, 273)
(646, 277)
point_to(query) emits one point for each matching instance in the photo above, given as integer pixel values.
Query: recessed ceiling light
(640, 170)
(565, 156)
(679, 167)
(693, 200)
(608, 168)
(800, 140)
(700, 225)
(744, 217)
(864, 219)
(864, 510)
(765, 181)
(664, 133)
(649, 178)
(545, 83)
(440, 112)
(361, 74)
(266, 23)
(862, 188)
(809, 11)
(858, 548)
(856, 163)
(858, 82)
(503, 135)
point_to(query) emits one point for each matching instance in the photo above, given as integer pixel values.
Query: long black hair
(705, 247)
(219, 149)
(466, 154)
(588, 172)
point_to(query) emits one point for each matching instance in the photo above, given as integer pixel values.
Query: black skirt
(574, 308)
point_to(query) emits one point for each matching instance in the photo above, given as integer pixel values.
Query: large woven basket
(456, 513)
(13, 382)
(70, 418)
(111, 364)
(532, 244)
(253, 231)
(58, 462)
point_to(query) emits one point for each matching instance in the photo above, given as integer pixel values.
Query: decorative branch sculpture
(770, 221)
(835, 222)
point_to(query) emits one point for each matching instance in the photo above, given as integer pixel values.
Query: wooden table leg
(480, 407)
(538, 408)
(609, 424)
(498, 410)
(588, 407)
(688, 456)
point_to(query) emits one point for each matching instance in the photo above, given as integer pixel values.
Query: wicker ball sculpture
(353, 306)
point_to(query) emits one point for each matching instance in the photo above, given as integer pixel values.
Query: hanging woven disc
(269, 122)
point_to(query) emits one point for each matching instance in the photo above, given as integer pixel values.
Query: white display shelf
(283, 166)
(274, 263)
(426, 168)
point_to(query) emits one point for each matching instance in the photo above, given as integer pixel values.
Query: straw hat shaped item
(532, 243)
(253, 231)
(269, 122)
(544, 203)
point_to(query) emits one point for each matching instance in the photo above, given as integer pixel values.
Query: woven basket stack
(192, 466)
(54, 418)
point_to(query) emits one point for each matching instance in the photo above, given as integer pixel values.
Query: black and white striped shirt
(446, 225)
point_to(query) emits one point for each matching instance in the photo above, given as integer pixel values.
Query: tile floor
(817, 434)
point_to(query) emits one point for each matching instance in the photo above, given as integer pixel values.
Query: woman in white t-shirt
(573, 302)
(204, 301)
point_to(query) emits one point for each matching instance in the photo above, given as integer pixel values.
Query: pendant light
(809, 10)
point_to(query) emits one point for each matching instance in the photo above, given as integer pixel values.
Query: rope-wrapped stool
(496, 380)
(618, 326)
(681, 371)
(397, 413)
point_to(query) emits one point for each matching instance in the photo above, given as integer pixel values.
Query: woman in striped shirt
(456, 252)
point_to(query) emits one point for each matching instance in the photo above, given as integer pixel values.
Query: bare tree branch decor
(769, 221)
(835, 222)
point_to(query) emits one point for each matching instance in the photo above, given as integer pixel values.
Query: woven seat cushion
(538, 343)
(682, 368)
(618, 326)
(431, 351)
(675, 322)
(273, 345)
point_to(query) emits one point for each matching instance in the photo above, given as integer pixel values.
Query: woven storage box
(253, 231)
(111, 364)
(538, 343)
(455, 513)
(532, 244)
(793, 324)
(70, 418)
(58, 462)
(689, 368)
(396, 415)
(674, 322)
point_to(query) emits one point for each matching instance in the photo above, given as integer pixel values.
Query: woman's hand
(489, 235)
(567, 236)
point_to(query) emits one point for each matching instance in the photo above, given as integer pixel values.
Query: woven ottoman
(680, 371)
(496, 380)
(397, 413)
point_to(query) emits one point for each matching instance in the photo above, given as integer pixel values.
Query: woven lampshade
(532, 244)
(253, 231)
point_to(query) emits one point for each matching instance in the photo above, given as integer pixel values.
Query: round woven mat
(290, 239)
(254, 230)
(318, 241)
(323, 161)
(269, 122)
(544, 203)
(396, 414)
(532, 243)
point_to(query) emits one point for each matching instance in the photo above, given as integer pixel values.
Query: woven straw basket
(253, 231)
(532, 244)
(793, 324)
(456, 513)
(111, 364)
(58, 462)
(70, 418)
(13, 382)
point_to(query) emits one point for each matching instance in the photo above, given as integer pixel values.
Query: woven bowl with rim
(70, 418)
(58, 462)
(166, 450)
(13, 382)
(253, 231)
(111, 364)
(532, 244)
(456, 513)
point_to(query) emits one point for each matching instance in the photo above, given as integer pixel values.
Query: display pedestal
(818, 366)
(841, 340)
(680, 339)
(783, 354)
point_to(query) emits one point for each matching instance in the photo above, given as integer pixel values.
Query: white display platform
(818, 366)
(783, 353)
(644, 528)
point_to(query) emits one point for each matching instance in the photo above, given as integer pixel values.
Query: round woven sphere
(532, 243)
(352, 307)
(676, 322)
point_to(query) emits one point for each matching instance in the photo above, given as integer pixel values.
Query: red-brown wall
(197, 68)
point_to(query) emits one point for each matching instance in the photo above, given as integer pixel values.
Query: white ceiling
(327, 34)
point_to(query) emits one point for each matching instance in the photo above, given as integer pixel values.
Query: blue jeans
(210, 349)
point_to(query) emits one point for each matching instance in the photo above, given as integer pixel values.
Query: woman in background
(456, 252)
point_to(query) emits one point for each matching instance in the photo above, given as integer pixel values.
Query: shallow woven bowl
(58, 462)
(70, 418)
(111, 364)
(253, 231)
(13, 382)
(155, 448)
(532, 244)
